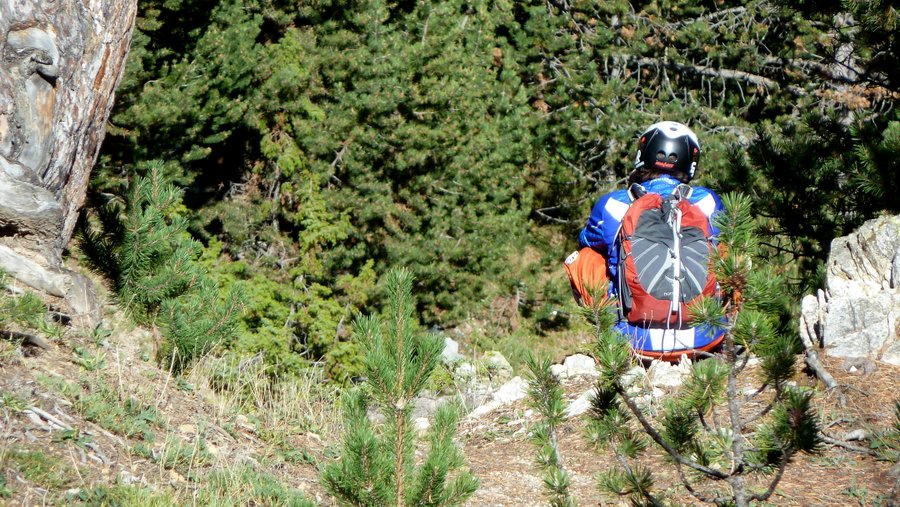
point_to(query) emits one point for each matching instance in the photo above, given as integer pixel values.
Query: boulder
(665, 374)
(858, 313)
(512, 391)
(496, 366)
(581, 404)
(580, 364)
(451, 353)
(576, 365)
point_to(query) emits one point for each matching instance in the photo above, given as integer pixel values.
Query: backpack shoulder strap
(636, 191)
(683, 191)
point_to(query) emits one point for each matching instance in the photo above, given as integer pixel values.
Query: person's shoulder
(702, 192)
(707, 199)
(612, 205)
(616, 199)
(619, 195)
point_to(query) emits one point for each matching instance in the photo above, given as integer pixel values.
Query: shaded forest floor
(91, 416)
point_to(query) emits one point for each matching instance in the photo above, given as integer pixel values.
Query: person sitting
(667, 156)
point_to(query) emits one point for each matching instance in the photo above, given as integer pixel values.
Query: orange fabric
(587, 270)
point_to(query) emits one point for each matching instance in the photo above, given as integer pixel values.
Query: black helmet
(668, 146)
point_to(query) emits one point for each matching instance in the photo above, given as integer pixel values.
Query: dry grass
(141, 436)
(233, 436)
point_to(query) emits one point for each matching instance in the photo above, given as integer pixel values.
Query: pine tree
(545, 395)
(143, 246)
(713, 428)
(377, 466)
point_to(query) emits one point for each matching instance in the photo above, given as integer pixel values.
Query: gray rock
(559, 371)
(451, 353)
(427, 404)
(635, 374)
(664, 374)
(860, 324)
(863, 260)
(857, 316)
(494, 360)
(514, 390)
(476, 397)
(128, 478)
(464, 371)
(421, 425)
(861, 365)
(580, 364)
(581, 404)
(892, 354)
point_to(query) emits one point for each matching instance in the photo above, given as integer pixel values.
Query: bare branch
(847, 445)
(545, 216)
(703, 70)
(785, 457)
(697, 494)
(715, 474)
(812, 357)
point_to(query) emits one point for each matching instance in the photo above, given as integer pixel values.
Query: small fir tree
(143, 246)
(545, 395)
(376, 465)
(712, 428)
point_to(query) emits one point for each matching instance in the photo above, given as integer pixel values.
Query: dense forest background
(319, 143)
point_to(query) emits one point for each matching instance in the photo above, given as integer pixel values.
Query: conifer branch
(785, 458)
(696, 494)
(650, 430)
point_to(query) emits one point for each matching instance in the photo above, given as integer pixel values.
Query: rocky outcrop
(858, 313)
(59, 65)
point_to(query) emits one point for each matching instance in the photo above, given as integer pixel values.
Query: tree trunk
(61, 62)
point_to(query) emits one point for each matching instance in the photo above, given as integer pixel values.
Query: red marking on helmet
(664, 165)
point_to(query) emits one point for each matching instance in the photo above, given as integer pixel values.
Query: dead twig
(812, 359)
(25, 338)
(847, 445)
(50, 418)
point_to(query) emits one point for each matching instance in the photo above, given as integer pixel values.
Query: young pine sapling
(376, 466)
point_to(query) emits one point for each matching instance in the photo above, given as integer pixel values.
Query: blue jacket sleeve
(592, 234)
(713, 230)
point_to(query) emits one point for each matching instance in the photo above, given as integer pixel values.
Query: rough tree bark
(60, 63)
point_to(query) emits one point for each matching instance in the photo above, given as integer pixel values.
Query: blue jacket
(600, 234)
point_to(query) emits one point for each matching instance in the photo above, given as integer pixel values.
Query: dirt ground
(496, 446)
(499, 451)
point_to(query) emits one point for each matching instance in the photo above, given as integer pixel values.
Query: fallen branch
(26, 338)
(812, 358)
(54, 422)
(847, 445)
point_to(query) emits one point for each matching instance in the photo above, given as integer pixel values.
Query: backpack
(665, 258)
